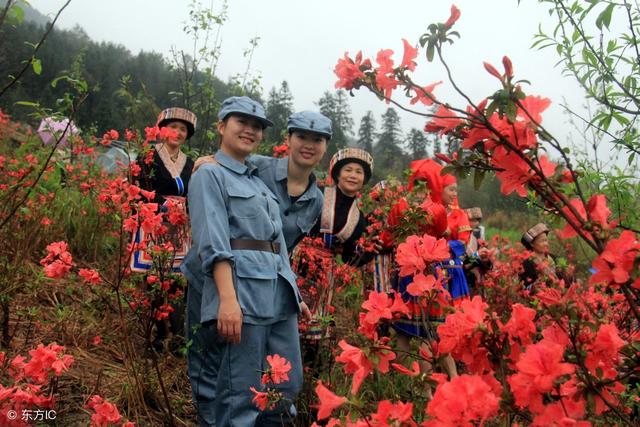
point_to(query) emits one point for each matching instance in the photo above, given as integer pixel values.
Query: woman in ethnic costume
(340, 227)
(446, 220)
(478, 262)
(170, 171)
(541, 266)
(168, 175)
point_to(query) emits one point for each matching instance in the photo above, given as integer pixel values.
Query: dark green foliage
(335, 106)
(367, 132)
(417, 143)
(389, 157)
(126, 90)
(279, 107)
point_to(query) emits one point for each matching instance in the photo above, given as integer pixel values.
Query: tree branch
(35, 50)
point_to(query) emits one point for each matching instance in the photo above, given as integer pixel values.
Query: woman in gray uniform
(243, 300)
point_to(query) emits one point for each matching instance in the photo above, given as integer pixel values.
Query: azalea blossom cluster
(502, 132)
(105, 413)
(560, 353)
(539, 362)
(124, 199)
(28, 379)
(277, 373)
(320, 277)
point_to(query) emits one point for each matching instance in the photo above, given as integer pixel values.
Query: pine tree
(336, 107)
(389, 157)
(437, 146)
(367, 132)
(279, 108)
(417, 143)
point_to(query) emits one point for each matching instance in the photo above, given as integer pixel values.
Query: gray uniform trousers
(221, 373)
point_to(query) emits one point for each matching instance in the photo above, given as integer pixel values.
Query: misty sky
(300, 42)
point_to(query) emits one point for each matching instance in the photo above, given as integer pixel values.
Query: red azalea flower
(349, 71)
(260, 399)
(534, 106)
(89, 276)
(393, 414)
(615, 263)
(356, 364)
(568, 412)
(425, 95)
(603, 353)
(280, 151)
(378, 306)
(416, 253)
(460, 402)
(517, 173)
(109, 136)
(151, 133)
(422, 285)
(413, 372)
(328, 401)
(279, 368)
(386, 82)
(382, 356)
(492, 70)
(455, 15)
(521, 325)
(443, 121)
(508, 66)
(384, 60)
(538, 369)
(105, 413)
(409, 56)
(597, 209)
(459, 335)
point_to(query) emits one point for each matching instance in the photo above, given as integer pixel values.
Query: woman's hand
(230, 320)
(305, 312)
(202, 160)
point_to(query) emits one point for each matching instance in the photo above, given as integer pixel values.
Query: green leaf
(511, 111)
(28, 104)
(605, 122)
(37, 66)
(16, 14)
(605, 17)
(430, 52)
(491, 108)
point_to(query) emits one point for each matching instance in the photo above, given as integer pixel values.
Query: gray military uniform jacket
(228, 201)
(297, 218)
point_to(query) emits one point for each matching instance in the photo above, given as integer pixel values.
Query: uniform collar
(246, 168)
(282, 172)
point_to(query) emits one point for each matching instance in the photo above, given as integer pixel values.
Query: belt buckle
(273, 246)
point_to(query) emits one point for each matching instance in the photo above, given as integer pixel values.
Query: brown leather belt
(255, 245)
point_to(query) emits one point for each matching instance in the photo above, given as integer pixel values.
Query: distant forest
(128, 91)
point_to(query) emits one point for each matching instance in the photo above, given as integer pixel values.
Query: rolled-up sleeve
(209, 219)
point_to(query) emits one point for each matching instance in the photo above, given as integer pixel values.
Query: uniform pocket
(256, 287)
(242, 203)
